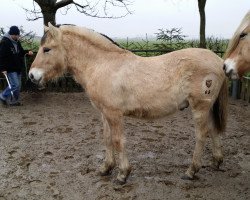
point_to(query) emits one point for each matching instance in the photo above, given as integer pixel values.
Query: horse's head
(50, 61)
(237, 57)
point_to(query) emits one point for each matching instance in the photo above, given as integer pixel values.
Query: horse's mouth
(232, 74)
(38, 82)
(229, 69)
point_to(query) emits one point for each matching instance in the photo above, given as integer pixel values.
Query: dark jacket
(11, 58)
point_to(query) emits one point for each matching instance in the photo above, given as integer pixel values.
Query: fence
(237, 89)
(245, 89)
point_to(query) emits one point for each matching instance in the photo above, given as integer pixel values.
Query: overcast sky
(223, 17)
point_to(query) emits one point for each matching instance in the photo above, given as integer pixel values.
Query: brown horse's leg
(217, 148)
(201, 132)
(119, 145)
(118, 140)
(109, 161)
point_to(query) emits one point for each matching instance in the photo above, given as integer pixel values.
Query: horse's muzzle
(32, 78)
(36, 76)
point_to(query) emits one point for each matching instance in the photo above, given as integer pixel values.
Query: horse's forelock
(46, 34)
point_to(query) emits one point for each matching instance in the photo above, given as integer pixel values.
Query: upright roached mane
(237, 56)
(120, 84)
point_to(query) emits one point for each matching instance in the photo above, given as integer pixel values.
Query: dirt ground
(51, 148)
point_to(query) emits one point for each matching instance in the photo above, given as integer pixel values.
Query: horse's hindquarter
(206, 75)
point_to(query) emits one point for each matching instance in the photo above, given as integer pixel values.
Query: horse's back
(196, 57)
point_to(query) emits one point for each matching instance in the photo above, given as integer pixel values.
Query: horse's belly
(147, 113)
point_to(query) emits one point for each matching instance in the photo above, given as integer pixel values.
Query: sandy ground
(51, 148)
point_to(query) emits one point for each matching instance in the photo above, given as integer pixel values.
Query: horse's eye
(242, 35)
(46, 49)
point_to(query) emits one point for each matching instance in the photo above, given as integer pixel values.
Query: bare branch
(92, 8)
(33, 14)
(93, 11)
(66, 9)
(63, 3)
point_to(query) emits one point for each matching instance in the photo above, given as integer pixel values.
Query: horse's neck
(85, 58)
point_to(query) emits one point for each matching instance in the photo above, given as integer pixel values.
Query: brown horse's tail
(220, 108)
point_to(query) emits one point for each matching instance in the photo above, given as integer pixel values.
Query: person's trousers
(15, 83)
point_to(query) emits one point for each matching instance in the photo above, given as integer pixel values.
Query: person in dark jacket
(11, 64)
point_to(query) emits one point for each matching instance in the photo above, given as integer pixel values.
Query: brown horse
(237, 57)
(120, 83)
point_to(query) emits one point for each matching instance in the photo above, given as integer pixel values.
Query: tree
(171, 39)
(201, 5)
(48, 8)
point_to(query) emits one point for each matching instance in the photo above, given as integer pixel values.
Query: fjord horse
(237, 56)
(120, 83)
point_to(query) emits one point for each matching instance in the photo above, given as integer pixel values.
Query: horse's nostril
(230, 72)
(31, 76)
(224, 67)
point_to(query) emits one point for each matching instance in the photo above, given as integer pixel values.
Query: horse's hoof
(122, 178)
(107, 173)
(217, 163)
(106, 170)
(186, 177)
(217, 168)
(120, 182)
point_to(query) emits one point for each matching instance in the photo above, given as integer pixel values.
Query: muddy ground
(51, 148)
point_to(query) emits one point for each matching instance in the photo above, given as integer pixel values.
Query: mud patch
(51, 148)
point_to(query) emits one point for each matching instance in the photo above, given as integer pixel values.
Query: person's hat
(14, 30)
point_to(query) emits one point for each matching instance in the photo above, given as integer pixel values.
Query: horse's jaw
(36, 76)
(230, 69)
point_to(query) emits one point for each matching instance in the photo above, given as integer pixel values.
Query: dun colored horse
(120, 83)
(237, 57)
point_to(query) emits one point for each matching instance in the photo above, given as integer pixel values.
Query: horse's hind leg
(201, 115)
(216, 148)
(109, 161)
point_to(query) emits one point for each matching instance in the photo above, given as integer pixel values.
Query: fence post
(248, 90)
(245, 93)
(235, 89)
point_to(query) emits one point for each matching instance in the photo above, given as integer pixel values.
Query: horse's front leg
(116, 128)
(201, 132)
(109, 162)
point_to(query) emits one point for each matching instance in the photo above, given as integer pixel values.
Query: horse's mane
(236, 37)
(98, 39)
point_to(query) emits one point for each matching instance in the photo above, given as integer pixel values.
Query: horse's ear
(46, 28)
(53, 30)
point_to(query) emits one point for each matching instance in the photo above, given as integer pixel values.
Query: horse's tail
(220, 108)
